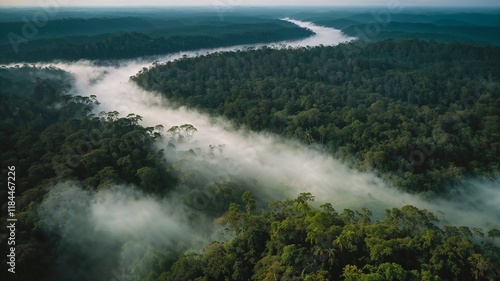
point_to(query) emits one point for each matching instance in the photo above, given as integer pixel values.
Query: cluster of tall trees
(422, 114)
(51, 134)
(292, 240)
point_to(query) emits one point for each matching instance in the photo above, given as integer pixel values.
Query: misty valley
(250, 143)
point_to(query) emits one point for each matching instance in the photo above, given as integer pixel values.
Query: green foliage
(293, 241)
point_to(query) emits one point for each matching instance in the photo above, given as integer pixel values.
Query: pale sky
(452, 3)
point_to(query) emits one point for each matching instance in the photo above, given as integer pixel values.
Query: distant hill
(475, 28)
(481, 35)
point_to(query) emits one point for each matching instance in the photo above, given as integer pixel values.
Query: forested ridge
(122, 38)
(424, 115)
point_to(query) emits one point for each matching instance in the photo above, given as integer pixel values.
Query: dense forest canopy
(422, 114)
